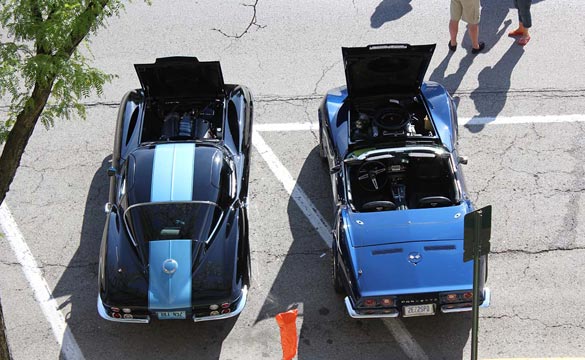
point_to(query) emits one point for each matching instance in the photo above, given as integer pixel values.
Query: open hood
(386, 69)
(181, 77)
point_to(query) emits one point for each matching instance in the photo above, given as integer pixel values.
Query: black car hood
(181, 77)
(386, 69)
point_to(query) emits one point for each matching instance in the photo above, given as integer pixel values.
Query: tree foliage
(39, 46)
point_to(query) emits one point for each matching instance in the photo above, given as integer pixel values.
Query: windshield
(172, 221)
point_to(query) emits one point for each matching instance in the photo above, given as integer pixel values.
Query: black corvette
(175, 243)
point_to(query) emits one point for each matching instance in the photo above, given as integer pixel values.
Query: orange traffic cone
(287, 321)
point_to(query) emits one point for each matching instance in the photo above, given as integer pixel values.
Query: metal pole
(476, 253)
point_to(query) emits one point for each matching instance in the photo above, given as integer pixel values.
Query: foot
(452, 47)
(478, 49)
(524, 40)
(517, 32)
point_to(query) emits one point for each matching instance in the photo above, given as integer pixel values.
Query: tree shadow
(492, 92)
(327, 331)
(389, 10)
(98, 338)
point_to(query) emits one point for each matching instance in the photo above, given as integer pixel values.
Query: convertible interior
(406, 181)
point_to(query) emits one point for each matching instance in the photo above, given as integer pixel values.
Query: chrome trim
(102, 311)
(355, 315)
(236, 312)
(487, 294)
(377, 152)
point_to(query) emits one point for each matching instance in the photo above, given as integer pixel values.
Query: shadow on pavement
(492, 92)
(101, 339)
(327, 332)
(389, 10)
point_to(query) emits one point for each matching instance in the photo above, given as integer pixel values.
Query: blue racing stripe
(168, 290)
(172, 172)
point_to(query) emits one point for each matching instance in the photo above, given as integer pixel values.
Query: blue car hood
(386, 269)
(401, 226)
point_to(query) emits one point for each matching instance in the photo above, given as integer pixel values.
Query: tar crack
(253, 22)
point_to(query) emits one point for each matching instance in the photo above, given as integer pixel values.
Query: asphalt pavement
(525, 159)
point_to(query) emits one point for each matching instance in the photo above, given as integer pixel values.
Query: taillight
(225, 305)
(225, 311)
(387, 302)
(468, 295)
(456, 296)
(369, 302)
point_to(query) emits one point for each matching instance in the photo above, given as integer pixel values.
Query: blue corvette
(175, 243)
(390, 141)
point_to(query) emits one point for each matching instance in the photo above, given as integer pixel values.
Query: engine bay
(196, 120)
(383, 117)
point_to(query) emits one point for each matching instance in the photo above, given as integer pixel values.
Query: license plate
(418, 310)
(171, 315)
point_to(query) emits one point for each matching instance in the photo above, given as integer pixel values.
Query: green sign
(480, 221)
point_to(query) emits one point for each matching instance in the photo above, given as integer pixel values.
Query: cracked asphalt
(289, 54)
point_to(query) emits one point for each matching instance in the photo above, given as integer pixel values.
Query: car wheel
(336, 276)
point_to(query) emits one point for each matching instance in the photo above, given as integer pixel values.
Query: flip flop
(524, 40)
(479, 49)
(516, 32)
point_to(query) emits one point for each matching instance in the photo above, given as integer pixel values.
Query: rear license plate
(418, 310)
(171, 315)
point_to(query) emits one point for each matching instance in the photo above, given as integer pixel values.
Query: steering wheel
(434, 201)
(378, 206)
(368, 175)
(391, 118)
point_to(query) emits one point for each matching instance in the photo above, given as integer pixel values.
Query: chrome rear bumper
(241, 304)
(351, 311)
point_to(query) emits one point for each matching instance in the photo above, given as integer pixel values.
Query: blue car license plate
(418, 310)
(171, 315)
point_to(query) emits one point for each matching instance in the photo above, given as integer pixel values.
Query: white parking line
(500, 120)
(42, 293)
(403, 337)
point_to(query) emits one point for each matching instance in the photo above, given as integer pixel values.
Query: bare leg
(474, 34)
(453, 29)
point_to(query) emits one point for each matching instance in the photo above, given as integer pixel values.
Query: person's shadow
(494, 83)
(389, 10)
(327, 331)
(101, 339)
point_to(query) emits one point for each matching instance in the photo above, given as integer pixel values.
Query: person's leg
(474, 35)
(525, 20)
(456, 10)
(453, 30)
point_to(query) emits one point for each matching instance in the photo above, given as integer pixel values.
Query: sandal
(516, 32)
(524, 40)
(452, 47)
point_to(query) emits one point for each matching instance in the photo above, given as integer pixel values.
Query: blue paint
(393, 227)
(169, 290)
(393, 273)
(172, 172)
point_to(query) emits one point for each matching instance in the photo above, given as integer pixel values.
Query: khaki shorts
(468, 10)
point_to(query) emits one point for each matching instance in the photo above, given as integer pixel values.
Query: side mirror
(111, 171)
(462, 160)
(335, 169)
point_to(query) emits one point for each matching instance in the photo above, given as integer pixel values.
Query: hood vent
(387, 251)
(439, 247)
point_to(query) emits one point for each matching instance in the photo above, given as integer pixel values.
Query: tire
(335, 276)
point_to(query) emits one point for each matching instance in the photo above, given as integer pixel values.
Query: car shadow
(492, 92)
(389, 10)
(327, 332)
(98, 338)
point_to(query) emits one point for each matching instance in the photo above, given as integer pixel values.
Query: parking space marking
(499, 120)
(292, 188)
(403, 337)
(41, 291)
